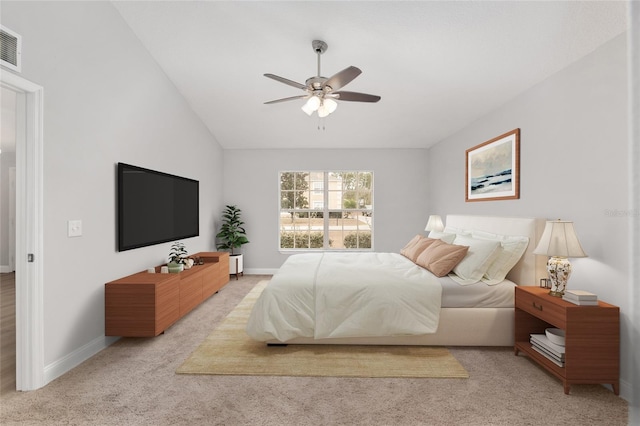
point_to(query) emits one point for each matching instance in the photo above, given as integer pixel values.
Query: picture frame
(493, 169)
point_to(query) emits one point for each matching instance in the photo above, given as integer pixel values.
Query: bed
(285, 312)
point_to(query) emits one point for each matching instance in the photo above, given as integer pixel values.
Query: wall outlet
(74, 228)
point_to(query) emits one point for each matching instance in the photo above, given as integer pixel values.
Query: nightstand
(592, 336)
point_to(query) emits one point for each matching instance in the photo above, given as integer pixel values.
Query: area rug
(229, 351)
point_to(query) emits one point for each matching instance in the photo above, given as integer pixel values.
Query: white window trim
(326, 210)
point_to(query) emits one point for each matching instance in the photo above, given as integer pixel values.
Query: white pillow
(446, 237)
(480, 256)
(512, 249)
(457, 231)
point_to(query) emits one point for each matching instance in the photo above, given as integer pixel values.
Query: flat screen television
(155, 207)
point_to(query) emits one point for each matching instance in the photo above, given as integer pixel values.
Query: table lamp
(559, 241)
(434, 223)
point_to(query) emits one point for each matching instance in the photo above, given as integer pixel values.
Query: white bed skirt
(458, 327)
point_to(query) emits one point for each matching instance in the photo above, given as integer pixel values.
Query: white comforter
(323, 295)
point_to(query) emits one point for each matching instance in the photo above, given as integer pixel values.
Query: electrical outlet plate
(74, 228)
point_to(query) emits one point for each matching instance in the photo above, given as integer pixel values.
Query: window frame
(327, 211)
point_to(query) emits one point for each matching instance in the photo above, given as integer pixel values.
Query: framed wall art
(493, 169)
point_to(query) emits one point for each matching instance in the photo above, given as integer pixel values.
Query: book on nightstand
(541, 344)
(580, 297)
(543, 341)
(555, 360)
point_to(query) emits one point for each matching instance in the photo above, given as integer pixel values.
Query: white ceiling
(438, 66)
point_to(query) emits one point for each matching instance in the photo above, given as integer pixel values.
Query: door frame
(29, 232)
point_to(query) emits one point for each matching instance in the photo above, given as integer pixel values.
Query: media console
(146, 304)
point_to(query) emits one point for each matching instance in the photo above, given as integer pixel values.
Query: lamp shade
(434, 223)
(559, 239)
(311, 105)
(330, 104)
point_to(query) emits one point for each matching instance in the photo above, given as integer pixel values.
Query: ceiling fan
(321, 92)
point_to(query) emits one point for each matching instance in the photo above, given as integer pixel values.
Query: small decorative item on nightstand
(559, 241)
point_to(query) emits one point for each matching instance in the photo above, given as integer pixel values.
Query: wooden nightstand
(592, 344)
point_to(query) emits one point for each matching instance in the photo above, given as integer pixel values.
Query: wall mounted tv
(155, 207)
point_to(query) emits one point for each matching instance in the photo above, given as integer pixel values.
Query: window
(329, 210)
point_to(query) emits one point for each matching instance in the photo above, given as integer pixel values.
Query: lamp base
(559, 269)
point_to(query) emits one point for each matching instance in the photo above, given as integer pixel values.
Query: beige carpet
(229, 351)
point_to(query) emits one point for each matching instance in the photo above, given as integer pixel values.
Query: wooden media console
(146, 304)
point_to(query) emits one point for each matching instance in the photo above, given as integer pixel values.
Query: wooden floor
(7, 332)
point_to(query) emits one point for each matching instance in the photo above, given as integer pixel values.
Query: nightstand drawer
(542, 308)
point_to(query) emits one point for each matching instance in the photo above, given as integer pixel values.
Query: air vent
(10, 47)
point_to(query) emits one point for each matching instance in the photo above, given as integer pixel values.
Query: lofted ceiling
(438, 65)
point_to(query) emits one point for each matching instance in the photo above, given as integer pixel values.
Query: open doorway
(29, 308)
(8, 133)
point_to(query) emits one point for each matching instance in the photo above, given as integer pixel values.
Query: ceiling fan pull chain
(321, 124)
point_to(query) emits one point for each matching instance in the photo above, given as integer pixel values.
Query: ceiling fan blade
(356, 97)
(286, 81)
(342, 78)
(292, 98)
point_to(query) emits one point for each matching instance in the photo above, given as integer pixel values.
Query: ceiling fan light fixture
(312, 104)
(330, 104)
(323, 112)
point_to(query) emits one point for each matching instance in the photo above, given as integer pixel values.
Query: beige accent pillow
(440, 258)
(416, 246)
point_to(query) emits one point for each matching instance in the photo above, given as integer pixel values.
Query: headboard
(531, 268)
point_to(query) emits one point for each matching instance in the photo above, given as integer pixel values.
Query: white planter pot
(236, 264)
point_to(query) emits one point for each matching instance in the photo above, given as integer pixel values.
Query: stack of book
(543, 345)
(580, 297)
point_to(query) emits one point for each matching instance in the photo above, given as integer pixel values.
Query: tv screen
(155, 207)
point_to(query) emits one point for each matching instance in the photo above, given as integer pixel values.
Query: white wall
(400, 198)
(573, 166)
(105, 101)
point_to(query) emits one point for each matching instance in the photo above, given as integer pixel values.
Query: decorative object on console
(178, 258)
(434, 223)
(493, 169)
(559, 241)
(232, 235)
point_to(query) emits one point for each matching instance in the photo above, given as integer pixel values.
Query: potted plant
(232, 236)
(178, 258)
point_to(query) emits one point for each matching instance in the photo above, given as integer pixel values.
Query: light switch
(74, 228)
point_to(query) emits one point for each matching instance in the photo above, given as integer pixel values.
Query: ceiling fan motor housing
(315, 83)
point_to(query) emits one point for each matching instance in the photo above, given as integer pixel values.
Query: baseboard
(5, 269)
(77, 357)
(260, 271)
(625, 390)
